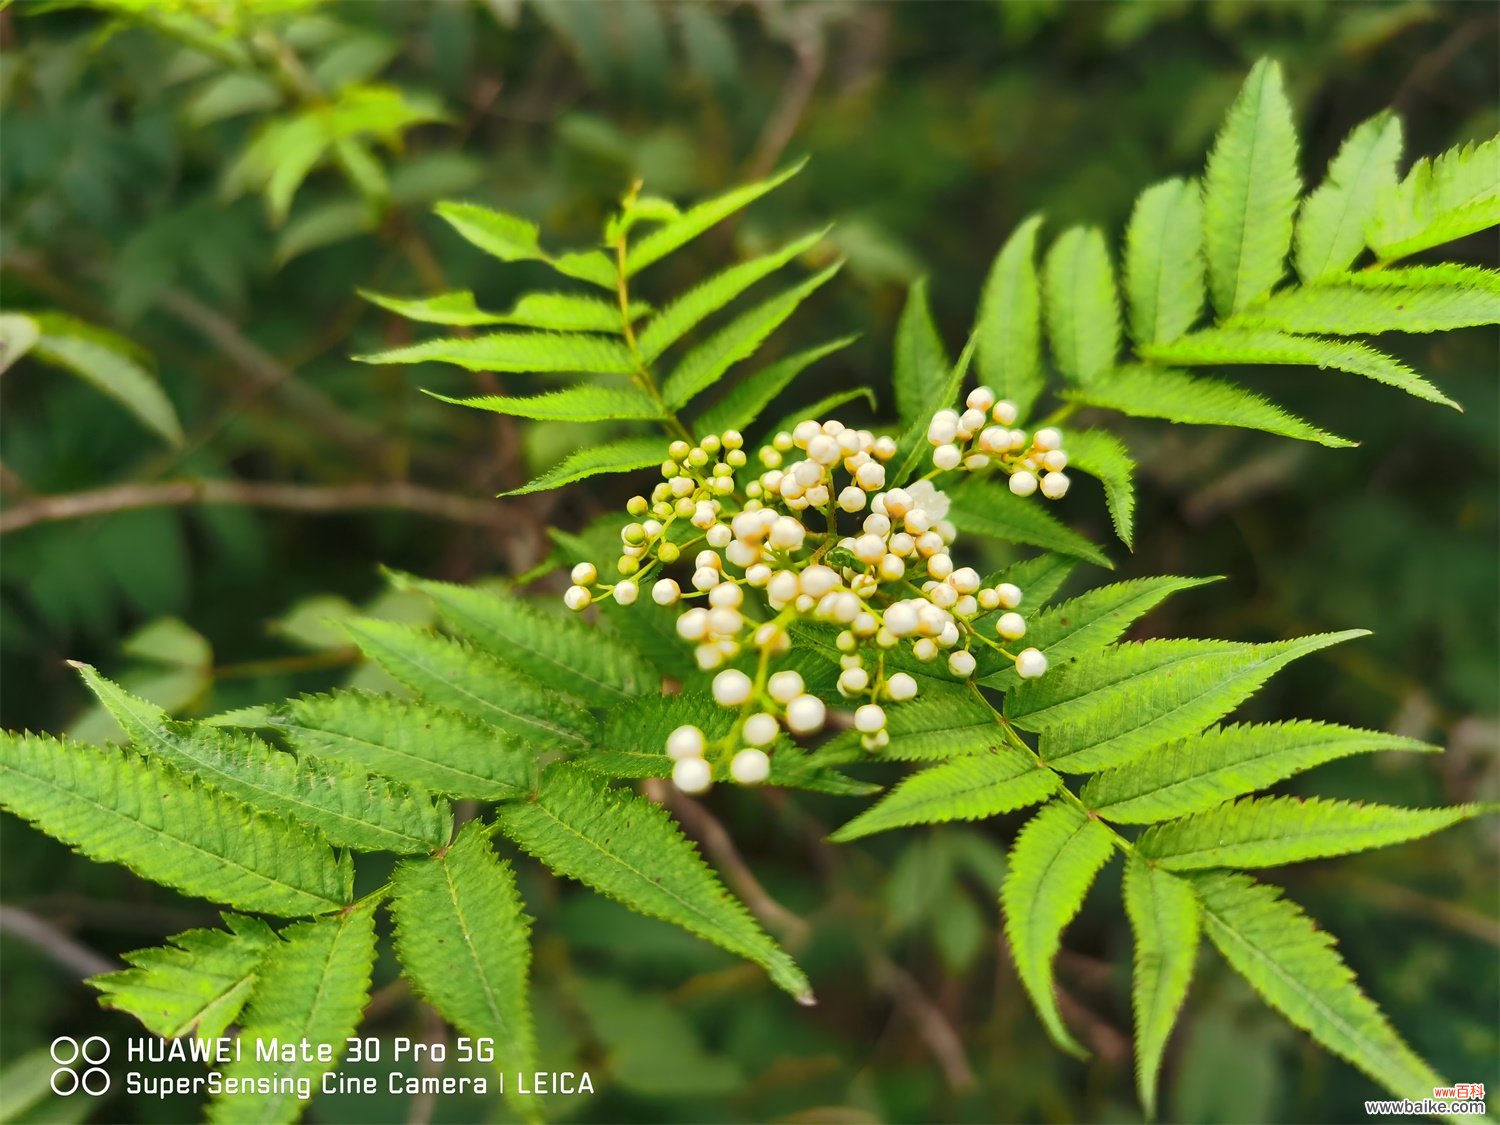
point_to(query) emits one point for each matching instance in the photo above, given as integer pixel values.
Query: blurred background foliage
(211, 182)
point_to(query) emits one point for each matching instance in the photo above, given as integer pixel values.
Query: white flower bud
(925, 649)
(869, 718)
(870, 476)
(807, 473)
(750, 767)
(947, 457)
(1023, 482)
(705, 578)
(877, 525)
(892, 568)
(980, 398)
(782, 588)
(901, 619)
(626, 592)
(943, 428)
(726, 594)
(1055, 485)
(585, 574)
(1055, 461)
(818, 580)
(758, 574)
(852, 499)
(864, 624)
(1030, 664)
(741, 553)
(1009, 594)
(1011, 626)
(966, 606)
(961, 663)
(724, 621)
(884, 447)
(943, 594)
(805, 714)
(787, 533)
(692, 775)
(761, 729)
(732, 687)
(949, 636)
(901, 687)
(719, 536)
(824, 450)
(975, 462)
(1047, 439)
(577, 598)
(1005, 413)
(665, 592)
(685, 742)
(940, 566)
(852, 681)
(784, 686)
(897, 502)
(803, 432)
(693, 625)
(869, 549)
(970, 421)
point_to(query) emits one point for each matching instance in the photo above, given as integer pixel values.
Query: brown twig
(47, 939)
(806, 36)
(932, 1024)
(395, 495)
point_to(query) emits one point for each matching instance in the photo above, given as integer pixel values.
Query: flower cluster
(812, 536)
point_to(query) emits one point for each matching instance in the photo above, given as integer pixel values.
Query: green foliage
(1165, 919)
(1443, 198)
(920, 361)
(1010, 340)
(1083, 309)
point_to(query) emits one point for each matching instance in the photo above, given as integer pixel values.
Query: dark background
(933, 129)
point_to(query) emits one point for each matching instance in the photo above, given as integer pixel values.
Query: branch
(397, 495)
(47, 939)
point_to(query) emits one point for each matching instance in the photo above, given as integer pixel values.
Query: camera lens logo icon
(72, 1056)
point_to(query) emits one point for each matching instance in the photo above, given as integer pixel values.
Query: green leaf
(624, 455)
(456, 308)
(561, 652)
(582, 403)
(630, 849)
(1449, 197)
(1296, 968)
(1083, 309)
(569, 312)
(1052, 865)
(972, 787)
(744, 402)
(1010, 332)
(701, 367)
(678, 318)
(451, 674)
(1164, 261)
(1148, 392)
(921, 361)
(1166, 919)
(1269, 831)
(1331, 224)
(913, 441)
(352, 808)
(593, 266)
(1411, 299)
(18, 335)
(940, 723)
(312, 988)
(196, 984)
(1100, 454)
(464, 941)
(1216, 346)
(693, 222)
(424, 745)
(981, 507)
(110, 364)
(1204, 771)
(517, 352)
(820, 409)
(1250, 193)
(1089, 622)
(507, 237)
(1039, 579)
(1111, 708)
(116, 808)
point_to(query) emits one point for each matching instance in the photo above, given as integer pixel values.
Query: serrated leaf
(1204, 771)
(1082, 306)
(1111, 708)
(940, 723)
(1296, 968)
(196, 984)
(986, 508)
(1269, 831)
(1009, 331)
(1104, 456)
(624, 455)
(693, 222)
(820, 410)
(1052, 865)
(1089, 622)
(1148, 392)
(743, 403)
(1331, 224)
(457, 308)
(352, 808)
(525, 352)
(1250, 193)
(1448, 197)
(593, 266)
(680, 317)
(1039, 579)
(972, 787)
(108, 363)
(507, 237)
(631, 850)
(702, 366)
(116, 808)
(1216, 346)
(463, 938)
(913, 441)
(581, 403)
(570, 312)
(921, 363)
(1411, 299)
(312, 988)
(561, 652)
(451, 674)
(421, 744)
(1164, 261)
(1166, 920)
